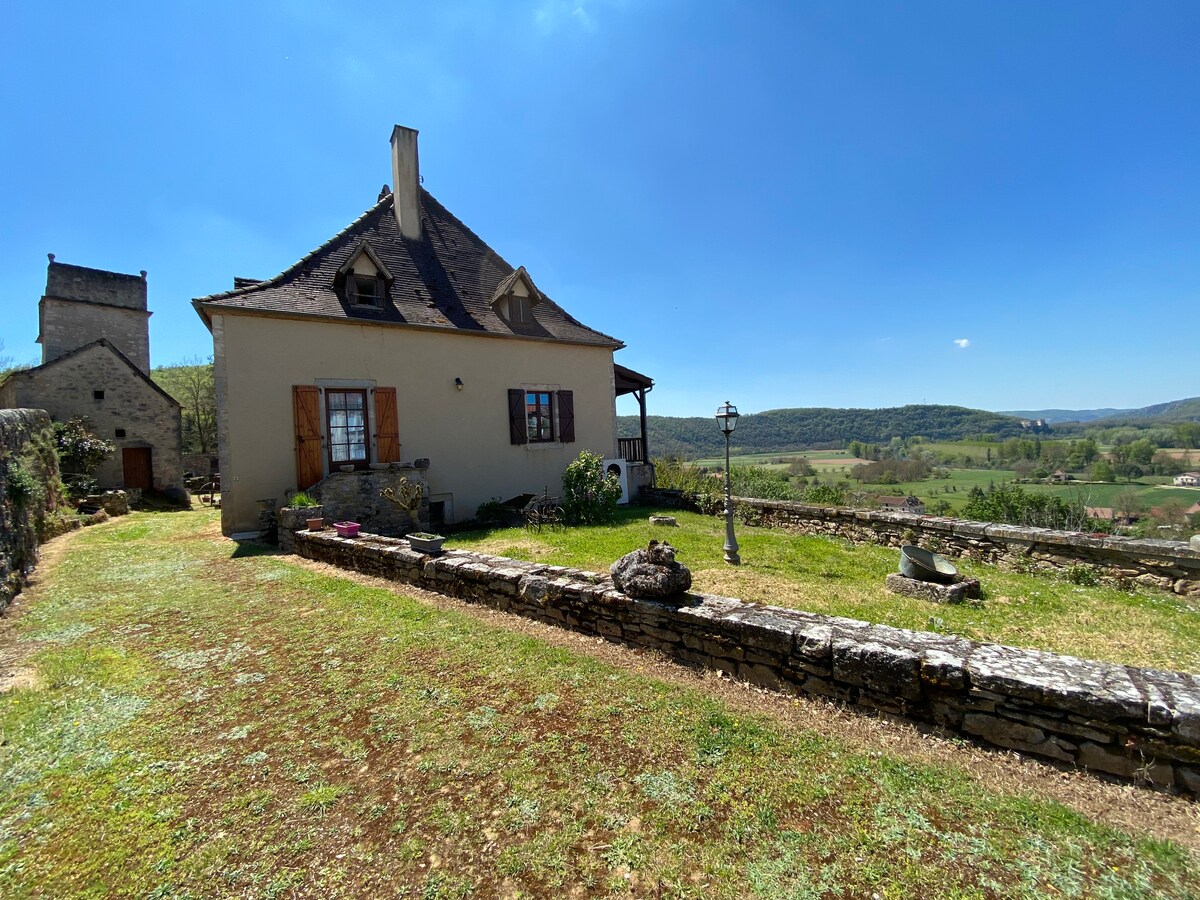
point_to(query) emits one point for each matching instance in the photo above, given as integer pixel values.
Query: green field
(834, 466)
(774, 460)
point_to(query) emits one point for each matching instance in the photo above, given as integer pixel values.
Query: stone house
(406, 338)
(95, 337)
(909, 504)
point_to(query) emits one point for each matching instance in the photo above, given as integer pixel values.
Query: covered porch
(630, 448)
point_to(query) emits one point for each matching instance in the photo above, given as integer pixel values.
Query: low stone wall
(29, 485)
(1169, 565)
(1133, 723)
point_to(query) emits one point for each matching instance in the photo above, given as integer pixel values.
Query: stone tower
(81, 305)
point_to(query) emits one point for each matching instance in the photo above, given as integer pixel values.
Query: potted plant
(425, 542)
(347, 529)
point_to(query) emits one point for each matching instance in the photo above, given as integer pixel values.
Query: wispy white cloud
(962, 343)
(554, 15)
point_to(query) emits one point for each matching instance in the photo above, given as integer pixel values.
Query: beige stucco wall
(65, 390)
(464, 434)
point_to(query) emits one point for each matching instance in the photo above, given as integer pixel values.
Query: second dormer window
(365, 290)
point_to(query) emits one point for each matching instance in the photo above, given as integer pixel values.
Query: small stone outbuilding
(95, 337)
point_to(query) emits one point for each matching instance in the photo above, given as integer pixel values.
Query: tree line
(781, 430)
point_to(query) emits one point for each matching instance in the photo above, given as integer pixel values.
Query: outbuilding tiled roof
(445, 280)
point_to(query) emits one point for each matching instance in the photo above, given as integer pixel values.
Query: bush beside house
(30, 494)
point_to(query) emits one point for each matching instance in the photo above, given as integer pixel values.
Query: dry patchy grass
(218, 723)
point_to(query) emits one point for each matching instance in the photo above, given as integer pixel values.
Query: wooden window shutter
(517, 427)
(306, 412)
(566, 416)
(387, 429)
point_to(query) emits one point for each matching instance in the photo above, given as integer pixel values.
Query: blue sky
(991, 204)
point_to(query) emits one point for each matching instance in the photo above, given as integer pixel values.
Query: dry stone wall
(1137, 724)
(1169, 565)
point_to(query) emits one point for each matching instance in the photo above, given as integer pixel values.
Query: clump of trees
(891, 471)
(191, 384)
(1013, 506)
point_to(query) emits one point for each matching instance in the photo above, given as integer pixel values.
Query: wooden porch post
(641, 395)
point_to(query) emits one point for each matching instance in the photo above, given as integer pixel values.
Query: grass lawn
(823, 575)
(201, 720)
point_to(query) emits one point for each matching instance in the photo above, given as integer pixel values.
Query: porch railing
(630, 449)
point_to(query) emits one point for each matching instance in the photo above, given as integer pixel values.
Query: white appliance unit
(620, 468)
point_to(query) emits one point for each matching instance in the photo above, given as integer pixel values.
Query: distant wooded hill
(1158, 414)
(780, 430)
(1053, 416)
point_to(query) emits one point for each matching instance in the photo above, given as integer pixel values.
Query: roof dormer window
(364, 290)
(514, 298)
(519, 310)
(364, 278)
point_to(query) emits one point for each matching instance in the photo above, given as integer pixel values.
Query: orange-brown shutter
(387, 429)
(306, 411)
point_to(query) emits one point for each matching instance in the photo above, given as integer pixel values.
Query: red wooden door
(139, 470)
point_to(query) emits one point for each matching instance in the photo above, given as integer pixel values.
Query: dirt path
(13, 652)
(1132, 809)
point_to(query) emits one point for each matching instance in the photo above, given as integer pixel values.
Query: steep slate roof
(445, 280)
(100, 342)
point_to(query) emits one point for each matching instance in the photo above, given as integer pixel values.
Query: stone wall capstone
(1168, 565)
(1132, 723)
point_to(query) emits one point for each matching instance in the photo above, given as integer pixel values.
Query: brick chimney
(406, 182)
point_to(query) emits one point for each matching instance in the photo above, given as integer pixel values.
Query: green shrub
(825, 495)
(589, 494)
(1083, 575)
(301, 499)
(491, 511)
(80, 453)
(22, 487)
(1013, 506)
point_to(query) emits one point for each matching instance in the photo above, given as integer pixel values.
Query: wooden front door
(139, 472)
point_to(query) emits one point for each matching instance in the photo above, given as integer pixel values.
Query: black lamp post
(727, 417)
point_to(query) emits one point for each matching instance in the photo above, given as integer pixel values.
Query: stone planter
(426, 543)
(297, 518)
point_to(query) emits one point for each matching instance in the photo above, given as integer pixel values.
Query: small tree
(590, 495)
(79, 453)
